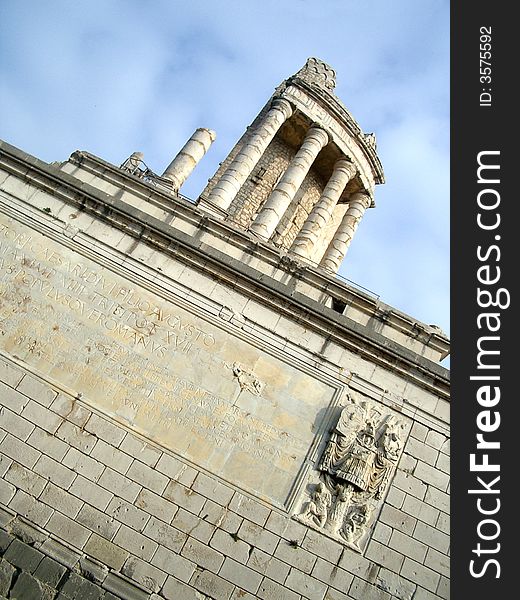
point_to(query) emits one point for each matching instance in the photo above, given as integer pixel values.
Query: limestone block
(17, 425)
(230, 546)
(135, 543)
(141, 450)
(385, 556)
(267, 565)
(110, 433)
(382, 533)
(147, 477)
(174, 589)
(258, 537)
(398, 587)
(202, 555)
(212, 585)
(438, 499)
(419, 431)
(164, 534)
(148, 576)
(361, 590)
(330, 574)
(47, 444)
(76, 436)
(173, 563)
(408, 546)
(71, 410)
(97, 521)
(306, 585)
(107, 552)
(30, 508)
(10, 377)
(194, 526)
(23, 478)
(83, 464)
(240, 575)
(420, 574)
(11, 398)
(37, 390)
(398, 519)
(432, 476)
(57, 498)
(438, 562)
(152, 504)
(432, 537)
(112, 457)
(421, 510)
(295, 556)
(270, 590)
(7, 491)
(90, 492)
(68, 530)
(118, 484)
(176, 470)
(185, 497)
(127, 513)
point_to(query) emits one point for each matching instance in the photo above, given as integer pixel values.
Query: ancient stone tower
(303, 174)
(193, 405)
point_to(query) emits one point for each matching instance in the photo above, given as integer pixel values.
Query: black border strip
(482, 121)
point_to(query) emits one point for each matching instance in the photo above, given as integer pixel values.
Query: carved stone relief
(316, 72)
(354, 472)
(247, 380)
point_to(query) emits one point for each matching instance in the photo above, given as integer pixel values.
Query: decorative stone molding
(347, 141)
(370, 139)
(354, 472)
(316, 72)
(247, 380)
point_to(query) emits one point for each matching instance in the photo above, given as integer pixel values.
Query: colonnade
(273, 209)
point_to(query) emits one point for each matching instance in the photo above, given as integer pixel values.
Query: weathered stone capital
(345, 165)
(283, 105)
(363, 198)
(316, 72)
(316, 133)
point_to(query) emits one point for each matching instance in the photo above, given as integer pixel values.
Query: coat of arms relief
(354, 470)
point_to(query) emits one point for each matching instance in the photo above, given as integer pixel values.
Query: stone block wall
(89, 505)
(97, 501)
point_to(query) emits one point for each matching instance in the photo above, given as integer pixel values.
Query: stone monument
(192, 403)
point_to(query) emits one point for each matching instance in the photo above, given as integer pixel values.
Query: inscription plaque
(208, 395)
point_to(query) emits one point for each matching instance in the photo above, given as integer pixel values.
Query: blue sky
(117, 76)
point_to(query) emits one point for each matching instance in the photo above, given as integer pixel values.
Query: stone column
(319, 216)
(340, 243)
(188, 157)
(245, 161)
(281, 197)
